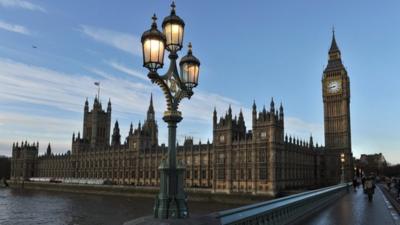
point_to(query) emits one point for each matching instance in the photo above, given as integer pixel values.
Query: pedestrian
(370, 187)
(363, 181)
(389, 183)
(355, 183)
(398, 188)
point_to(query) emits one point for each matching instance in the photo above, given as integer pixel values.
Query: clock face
(334, 86)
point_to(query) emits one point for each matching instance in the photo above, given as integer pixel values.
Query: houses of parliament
(262, 160)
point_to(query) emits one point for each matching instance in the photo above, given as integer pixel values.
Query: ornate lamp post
(171, 200)
(342, 159)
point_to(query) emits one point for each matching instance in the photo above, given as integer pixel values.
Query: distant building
(262, 160)
(5, 167)
(373, 163)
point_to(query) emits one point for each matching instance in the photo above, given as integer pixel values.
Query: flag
(97, 83)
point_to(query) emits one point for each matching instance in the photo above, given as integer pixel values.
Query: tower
(268, 143)
(150, 125)
(116, 137)
(48, 150)
(336, 99)
(97, 124)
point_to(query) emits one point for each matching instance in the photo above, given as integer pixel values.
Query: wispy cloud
(14, 28)
(122, 68)
(44, 129)
(22, 5)
(122, 41)
(35, 86)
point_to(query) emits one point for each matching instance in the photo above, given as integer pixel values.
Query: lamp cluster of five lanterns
(171, 202)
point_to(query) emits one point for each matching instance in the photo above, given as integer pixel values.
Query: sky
(52, 52)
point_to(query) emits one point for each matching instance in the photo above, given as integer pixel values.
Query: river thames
(26, 207)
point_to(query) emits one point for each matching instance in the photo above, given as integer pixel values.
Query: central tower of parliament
(262, 160)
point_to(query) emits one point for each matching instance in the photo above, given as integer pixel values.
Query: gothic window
(221, 158)
(222, 139)
(233, 174)
(203, 174)
(234, 157)
(196, 174)
(262, 157)
(221, 173)
(188, 174)
(263, 135)
(263, 173)
(248, 173)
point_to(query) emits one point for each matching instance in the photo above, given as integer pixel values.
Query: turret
(109, 106)
(311, 142)
(281, 112)
(150, 111)
(96, 103)
(116, 137)
(254, 114)
(241, 119)
(86, 109)
(48, 151)
(131, 129)
(272, 106)
(215, 117)
(73, 137)
(150, 127)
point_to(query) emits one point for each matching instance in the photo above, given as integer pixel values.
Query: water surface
(25, 207)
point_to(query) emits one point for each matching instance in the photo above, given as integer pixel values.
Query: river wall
(197, 194)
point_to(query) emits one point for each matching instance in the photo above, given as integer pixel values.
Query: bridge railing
(286, 210)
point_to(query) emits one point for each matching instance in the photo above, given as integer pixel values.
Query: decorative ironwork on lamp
(171, 200)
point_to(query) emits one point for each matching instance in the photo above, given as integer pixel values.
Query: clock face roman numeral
(334, 86)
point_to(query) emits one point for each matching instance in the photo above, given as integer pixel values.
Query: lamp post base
(171, 202)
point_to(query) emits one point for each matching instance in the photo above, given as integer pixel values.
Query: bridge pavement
(354, 209)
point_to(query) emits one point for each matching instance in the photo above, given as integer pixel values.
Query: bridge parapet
(281, 211)
(286, 210)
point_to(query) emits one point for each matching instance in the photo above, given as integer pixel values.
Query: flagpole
(98, 89)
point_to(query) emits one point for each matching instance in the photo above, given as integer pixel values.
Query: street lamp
(342, 159)
(171, 200)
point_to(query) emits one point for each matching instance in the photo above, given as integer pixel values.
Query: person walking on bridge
(397, 185)
(355, 183)
(369, 187)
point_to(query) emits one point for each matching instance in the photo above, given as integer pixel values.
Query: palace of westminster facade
(259, 161)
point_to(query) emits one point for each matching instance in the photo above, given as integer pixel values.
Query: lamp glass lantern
(173, 29)
(153, 46)
(190, 68)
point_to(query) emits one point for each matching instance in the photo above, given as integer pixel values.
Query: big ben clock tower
(336, 97)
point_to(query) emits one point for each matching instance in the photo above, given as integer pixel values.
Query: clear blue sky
(248, 50)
